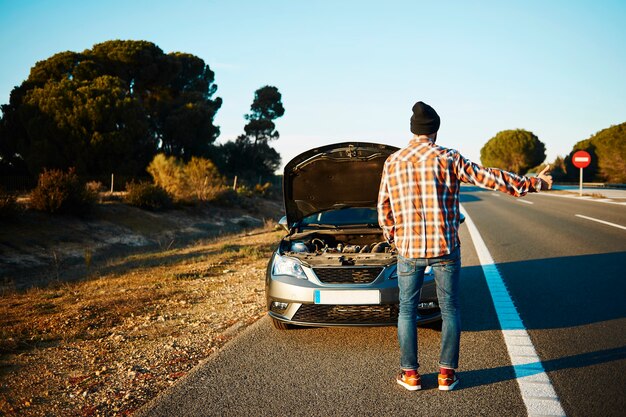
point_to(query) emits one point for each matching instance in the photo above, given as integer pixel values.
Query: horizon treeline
(114, 107)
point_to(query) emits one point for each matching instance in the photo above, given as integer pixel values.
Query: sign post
(581, 159)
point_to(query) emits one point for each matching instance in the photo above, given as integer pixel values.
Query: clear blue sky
(351, 70)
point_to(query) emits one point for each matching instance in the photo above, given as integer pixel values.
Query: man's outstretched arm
(500, 180)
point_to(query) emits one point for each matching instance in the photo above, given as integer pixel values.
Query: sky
(352, 70)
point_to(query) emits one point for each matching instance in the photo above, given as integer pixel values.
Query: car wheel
(281, 325)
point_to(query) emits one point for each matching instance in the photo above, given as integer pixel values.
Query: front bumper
(301, 302)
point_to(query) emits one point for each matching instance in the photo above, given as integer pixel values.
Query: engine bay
(330, 248)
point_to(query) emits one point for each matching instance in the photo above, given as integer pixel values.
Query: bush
(202, 179)
(198, 180)
(167, 173)
(60, 192)
(148, 196)
(95, 187)
(8, 205)
(261, 190)
(244, 191)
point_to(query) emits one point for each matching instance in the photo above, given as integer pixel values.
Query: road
(565, 276)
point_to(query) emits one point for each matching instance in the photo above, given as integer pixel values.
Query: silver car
(334, 268)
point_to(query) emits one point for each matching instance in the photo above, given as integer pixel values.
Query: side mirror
(462, 218)
(283, 222)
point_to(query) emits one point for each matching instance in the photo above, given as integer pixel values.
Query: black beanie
(425, 119)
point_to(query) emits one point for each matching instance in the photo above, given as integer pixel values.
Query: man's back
(422, 189)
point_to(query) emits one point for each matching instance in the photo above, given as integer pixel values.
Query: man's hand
(546, 178)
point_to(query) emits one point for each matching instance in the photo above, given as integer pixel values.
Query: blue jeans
(447, 271)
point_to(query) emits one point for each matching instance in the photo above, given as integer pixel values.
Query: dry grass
(595, 195)
(106, 345)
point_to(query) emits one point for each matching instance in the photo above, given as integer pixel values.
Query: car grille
(347, 314)
(347, 275)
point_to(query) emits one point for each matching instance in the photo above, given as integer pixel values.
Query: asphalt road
(565, 274)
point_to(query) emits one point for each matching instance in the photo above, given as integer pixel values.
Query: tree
(91, 125)
(109, 109)
(513, 150)
(589, 173)
(608, 155)
(250, 156)
(266, 107)
(247, 160)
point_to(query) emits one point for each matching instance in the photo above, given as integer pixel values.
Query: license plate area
(347, 297)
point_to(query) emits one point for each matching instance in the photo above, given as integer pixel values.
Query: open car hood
(334, 176)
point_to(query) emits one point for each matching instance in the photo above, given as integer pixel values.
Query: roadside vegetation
(117, 109)
(513, 150)
(522, 152)
(608, 155)
(110, 343)
(63, 193)
(107, 336)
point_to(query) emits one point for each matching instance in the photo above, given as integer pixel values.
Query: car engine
(318, 245)
(339, 248)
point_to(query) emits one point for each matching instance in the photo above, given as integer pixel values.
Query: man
(418, 210)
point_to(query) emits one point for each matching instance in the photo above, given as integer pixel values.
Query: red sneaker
(447, 382)
(411, 382)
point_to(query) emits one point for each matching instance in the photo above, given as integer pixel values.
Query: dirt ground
(102, 332)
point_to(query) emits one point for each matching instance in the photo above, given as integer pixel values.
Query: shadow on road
(489, 376)
(550, 293)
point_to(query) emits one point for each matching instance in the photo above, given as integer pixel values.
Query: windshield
(343, 217)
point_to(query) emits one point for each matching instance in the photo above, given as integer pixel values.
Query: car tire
(281, 325)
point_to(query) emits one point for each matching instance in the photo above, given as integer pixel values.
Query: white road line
(601, 221)
(524, 201)
(537, 391)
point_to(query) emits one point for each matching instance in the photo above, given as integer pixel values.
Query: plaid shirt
(418, 201)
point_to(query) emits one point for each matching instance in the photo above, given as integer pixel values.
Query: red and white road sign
(581, 159)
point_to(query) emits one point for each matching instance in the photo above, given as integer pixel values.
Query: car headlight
(288, 266)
